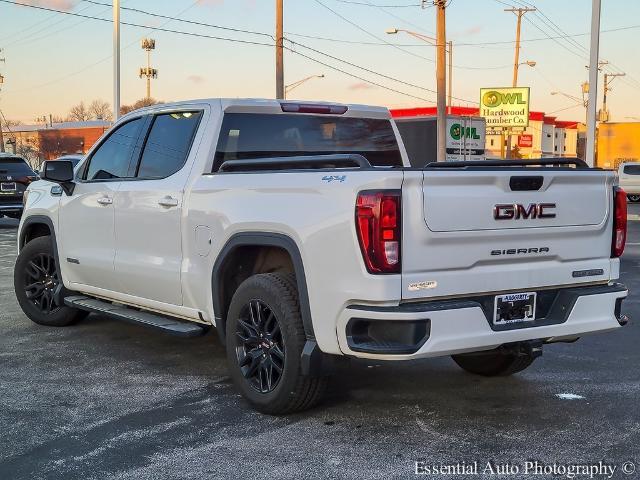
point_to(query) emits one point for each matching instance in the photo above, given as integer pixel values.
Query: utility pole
(441, 79)
(148, 44)
(608, 78)
(116, 59)
(279, 51)
(1, 135)
(450, 99)
(516, 62)
(590, 149)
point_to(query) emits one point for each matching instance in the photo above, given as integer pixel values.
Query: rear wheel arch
(277, 252)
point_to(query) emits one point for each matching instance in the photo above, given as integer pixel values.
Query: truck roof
(271, 106)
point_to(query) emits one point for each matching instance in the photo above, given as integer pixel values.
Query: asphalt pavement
(109, 400)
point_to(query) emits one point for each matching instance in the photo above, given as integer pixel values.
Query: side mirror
(61, 172)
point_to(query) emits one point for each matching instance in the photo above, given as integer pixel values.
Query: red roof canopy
(464, 111)
(566, 124)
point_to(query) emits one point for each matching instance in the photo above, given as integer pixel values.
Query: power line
(366, 4)
(192, 22)
(51, 82)
(30, 37)
(397, 17)
(224, 39)
(320, 62)
(372, 34)
(130, 24)
(361, 67)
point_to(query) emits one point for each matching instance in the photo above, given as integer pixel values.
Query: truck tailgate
(505, 229)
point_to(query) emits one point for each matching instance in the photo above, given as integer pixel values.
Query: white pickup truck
(301, 233)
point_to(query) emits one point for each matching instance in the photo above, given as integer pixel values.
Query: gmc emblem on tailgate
(516, 211)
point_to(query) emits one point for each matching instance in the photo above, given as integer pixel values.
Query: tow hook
(531, 348)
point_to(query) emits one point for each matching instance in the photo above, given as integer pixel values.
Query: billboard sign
(525, 140)
(465, 138)
(505, 107)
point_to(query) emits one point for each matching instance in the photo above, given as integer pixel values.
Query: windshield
(15, 167)
(250, 135)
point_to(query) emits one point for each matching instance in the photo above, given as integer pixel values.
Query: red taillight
(378, 222)
(619, 222)
(317, 109)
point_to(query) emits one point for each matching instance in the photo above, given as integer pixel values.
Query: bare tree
(79, 113)
(143, 102)
(100, 110)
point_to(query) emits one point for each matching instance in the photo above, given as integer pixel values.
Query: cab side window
(168, 144)
(112, 159)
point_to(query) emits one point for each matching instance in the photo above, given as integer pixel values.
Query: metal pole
(516, 61)
(593, 83)
(441, 80)
(604, 98)
(450, 99)
(1, 138)
(148, 71)
(514, 83)
(116, 59)
(279, 51)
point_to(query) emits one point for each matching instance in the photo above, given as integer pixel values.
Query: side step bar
(148, 319)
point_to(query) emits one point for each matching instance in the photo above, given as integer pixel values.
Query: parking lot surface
(109, 400)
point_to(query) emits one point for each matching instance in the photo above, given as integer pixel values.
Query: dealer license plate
(514, 308)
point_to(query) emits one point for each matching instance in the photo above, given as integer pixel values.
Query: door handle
(168, 201)
(105, 201)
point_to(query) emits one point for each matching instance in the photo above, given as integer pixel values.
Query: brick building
(46, 142)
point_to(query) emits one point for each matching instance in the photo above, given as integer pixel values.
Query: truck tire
(265, 338)
(37, 283)
(492, 364)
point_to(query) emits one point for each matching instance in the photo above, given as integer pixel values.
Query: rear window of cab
(246, 136)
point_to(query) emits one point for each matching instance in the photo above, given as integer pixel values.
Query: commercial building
(543, 137)
(618, 143)
(45, 142)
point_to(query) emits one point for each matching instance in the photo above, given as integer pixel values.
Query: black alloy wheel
(42, 282)
(39, 288)
(260, 347)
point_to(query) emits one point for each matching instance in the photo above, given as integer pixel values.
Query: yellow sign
(505, 107)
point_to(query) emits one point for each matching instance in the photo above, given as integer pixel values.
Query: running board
(147, 319)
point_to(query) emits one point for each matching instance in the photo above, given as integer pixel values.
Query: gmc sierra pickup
(301, 233)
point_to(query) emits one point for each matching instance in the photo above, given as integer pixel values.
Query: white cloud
(56, 4)
(361, 86)
(197, 79)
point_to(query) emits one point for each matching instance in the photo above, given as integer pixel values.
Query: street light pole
(279, 50)
(116, 59)
(433, 41)
(294, 85)
(441, 80)
(590, 150)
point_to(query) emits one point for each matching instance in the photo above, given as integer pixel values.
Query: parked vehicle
(299, 231)
(629, 174)
(15, 177)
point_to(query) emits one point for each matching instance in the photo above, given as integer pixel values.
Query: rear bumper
(463, 325)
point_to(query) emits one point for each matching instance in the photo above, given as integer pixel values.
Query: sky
(53, 60)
